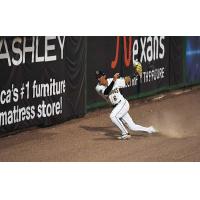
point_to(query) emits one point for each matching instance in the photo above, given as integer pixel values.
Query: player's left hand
(116, 76)
(138, 68)
(127, 79)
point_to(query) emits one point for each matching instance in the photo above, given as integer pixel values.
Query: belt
(116, 104)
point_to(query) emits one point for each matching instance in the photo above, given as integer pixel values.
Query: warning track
(93, 138)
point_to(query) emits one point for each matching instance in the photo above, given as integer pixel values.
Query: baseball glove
(138, 68)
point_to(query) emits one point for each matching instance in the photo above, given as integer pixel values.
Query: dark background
(193, 59)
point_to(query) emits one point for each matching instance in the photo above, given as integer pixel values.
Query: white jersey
(114, 96)
(119, 115)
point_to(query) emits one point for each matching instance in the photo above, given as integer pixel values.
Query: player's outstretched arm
(137, 67)
(110, 87)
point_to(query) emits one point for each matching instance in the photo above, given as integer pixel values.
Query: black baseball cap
(99, 74)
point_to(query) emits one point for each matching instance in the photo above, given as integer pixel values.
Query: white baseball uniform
(119, 114)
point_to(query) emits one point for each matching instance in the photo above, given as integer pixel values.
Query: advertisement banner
(42, 80)
(153, 53)
(117, 54)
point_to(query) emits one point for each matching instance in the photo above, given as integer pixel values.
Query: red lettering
(127, 56)
(114, 62)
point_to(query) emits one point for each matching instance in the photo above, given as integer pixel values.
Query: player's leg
(117, 113)
(126, 119)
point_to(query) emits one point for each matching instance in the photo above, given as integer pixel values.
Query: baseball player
(108, 88)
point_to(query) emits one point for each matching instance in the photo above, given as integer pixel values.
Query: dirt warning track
(93, 138)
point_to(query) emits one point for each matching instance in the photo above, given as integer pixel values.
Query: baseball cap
(99, 74)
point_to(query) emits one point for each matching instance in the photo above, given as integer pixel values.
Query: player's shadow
(108, 131)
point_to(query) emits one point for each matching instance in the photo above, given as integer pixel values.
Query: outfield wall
(49, 80)
(42, 81)
(168, 63)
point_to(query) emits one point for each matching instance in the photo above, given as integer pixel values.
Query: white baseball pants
(120, 116)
